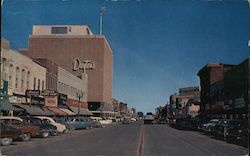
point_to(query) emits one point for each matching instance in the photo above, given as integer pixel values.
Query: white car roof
(11, 117)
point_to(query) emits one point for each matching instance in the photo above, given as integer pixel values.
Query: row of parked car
(234, 131)
(16, 128)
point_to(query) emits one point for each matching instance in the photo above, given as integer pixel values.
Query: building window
(38, 84)
(42, 84)
(88, 32)
(10, 81)
(69, 29)
(4, 70)
(11, 68)
(17, 77)
(34, 87)
(28, 80)
(59, 30)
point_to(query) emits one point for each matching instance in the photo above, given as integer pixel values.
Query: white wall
(20, 71)
(71, 85)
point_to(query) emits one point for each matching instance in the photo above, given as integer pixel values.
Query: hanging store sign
(78, 65)
(49, 93)
(32, 92)
(62, 99)
(51, 101)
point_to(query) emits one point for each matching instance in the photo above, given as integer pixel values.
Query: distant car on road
(8, 134)
(148, 119)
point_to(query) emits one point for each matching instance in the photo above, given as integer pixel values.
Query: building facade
(64, 44)
(211, 89)
(237, 91)
(70, 90)
(21, 73)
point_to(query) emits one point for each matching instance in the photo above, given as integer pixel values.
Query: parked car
(221, 129)
(80, 123)
(28, 130)
(60, 127)
(8, 134)
(126, 120)
(133, 119)
(208, 127)
(96, 124)
(188, 123)
(103, 121)
(46, 129)
(65, 122)
(238, 132)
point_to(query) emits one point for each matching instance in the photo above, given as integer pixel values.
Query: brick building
(212, 90)
(237, 91)
(63, 45)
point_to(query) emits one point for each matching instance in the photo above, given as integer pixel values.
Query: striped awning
(32, 110)
(82, 111)
(57, 111)
(48, 112)
(67, 111)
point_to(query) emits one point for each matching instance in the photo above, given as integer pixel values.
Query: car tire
(45, 134)
(54, 133)
(26, 137)
(66, 131)
(6, 141)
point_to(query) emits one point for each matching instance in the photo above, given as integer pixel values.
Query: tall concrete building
(75, 46)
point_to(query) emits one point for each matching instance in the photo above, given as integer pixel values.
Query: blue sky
(158, 45)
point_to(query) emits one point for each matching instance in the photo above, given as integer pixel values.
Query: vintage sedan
(208, 127)
(28, 131)
(80, 123)
(60, 127)
(221, 129)
(8, 134)
(45, 130)
(65, 122)
(238, 132)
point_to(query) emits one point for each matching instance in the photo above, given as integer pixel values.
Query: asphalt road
(126, 140)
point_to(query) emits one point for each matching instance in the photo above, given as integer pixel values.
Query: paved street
(126, 140)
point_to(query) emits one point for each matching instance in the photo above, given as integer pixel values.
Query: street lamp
(102, 10)
(79, 96)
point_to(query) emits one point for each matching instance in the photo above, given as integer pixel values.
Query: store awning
(32, 110)
(57, 111)
(82, 111)
(67, 111)
(9, 107)
(5, 104)
(48, 112)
